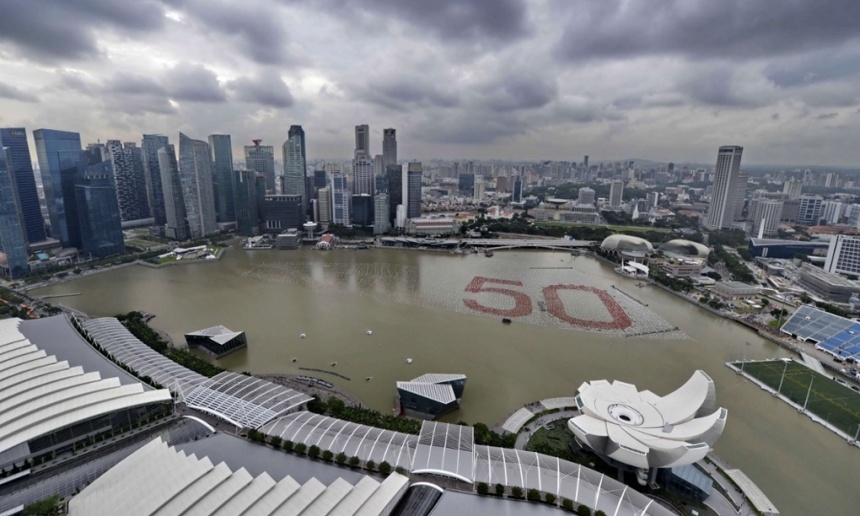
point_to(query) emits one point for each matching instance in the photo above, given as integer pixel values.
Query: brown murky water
(428, 307)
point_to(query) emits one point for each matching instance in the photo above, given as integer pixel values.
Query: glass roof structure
(243, 400)
(119, 343)
(338, 436)
(161, 480)
(445, 449)
(831, 333)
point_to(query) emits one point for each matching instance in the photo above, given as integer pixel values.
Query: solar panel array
(831, 333)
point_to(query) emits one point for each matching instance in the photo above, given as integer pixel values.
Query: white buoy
(369, 332)
(302, 335)
(408, 360)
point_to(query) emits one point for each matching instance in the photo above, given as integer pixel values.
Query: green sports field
(828, 399)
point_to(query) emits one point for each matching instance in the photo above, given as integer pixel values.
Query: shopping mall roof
(445, 449)
(243, 400)
(161, 480)
(40, 395)
(219, 334)
(338, 436)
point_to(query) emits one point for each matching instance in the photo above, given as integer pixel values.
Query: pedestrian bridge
(490, 244)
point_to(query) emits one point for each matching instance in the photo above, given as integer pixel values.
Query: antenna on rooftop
(256, 142)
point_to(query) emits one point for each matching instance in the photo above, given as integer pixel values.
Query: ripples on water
(409, 284)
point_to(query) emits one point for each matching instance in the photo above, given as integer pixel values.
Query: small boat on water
(361, 247)
(294, 359)
(542, 306)
(368, 378)
(506, 321)
(408, 360)
(488, 253)
(370, 332)
(334, 364)
(302, 335)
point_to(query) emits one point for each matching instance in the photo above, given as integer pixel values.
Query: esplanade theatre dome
(626, 243)
(685, 248)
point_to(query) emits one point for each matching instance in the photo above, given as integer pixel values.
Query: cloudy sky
(508, 79)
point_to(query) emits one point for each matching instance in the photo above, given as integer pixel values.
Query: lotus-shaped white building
(643, 430)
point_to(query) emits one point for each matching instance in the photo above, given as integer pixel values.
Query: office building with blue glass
(98, 211)
(152, 143)
(19, 163)
(13, 245)
(222, 175)
(50, 145)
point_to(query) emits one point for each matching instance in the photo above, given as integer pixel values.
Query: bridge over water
(490, 244)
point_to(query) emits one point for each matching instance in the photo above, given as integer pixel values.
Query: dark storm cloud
(129, 84)
(407, 93)
(457, 20)
(50, 30)
(515, 93)
(727, 28)
(127, 93)
(267, 89)
(255, 28)
(814, 68)
(193, 83)
(8, 91)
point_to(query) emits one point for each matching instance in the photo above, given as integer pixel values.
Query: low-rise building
(216, 341)
(432, 226)
(735, 290)
(682, 268)
(826, 285)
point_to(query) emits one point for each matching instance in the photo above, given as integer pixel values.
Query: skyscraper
(381, 223)
(843, 255)
(466, 183)
(247, 209)
(362, 140)
(586, 195)
(340, 199)
(195, 169)
(792, 188)
(518, 190)
(740, 196)
(809, 213)
(262, 159)
(395, 189)
(98, 211)
(766, 217)
(130, 180)
(722, 207)
(362, 175)
(50, 144)
(616, 193)
(281, 212)
(295, 165)
(389, 148)
(362, 211)
(13, 244)
(222, 162)
(14, 139)
(175, 223)
(150, 146)
(324, 207)
(413, 182)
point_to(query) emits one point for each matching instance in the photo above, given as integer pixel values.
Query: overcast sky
(507, 79)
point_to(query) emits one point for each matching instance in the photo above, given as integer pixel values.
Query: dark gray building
(130, 179)
(13, 243)
(466, 184)
(395, 190)
(281, 212)
(216, 341)
(19, 163)
(50, 145)
(247, 205)
(362, 211)
(98, 211)
(295, 166)
(222, 176)
(414, 175)
(261, 158)
(150, 146)
(175, 225)
(517, 190)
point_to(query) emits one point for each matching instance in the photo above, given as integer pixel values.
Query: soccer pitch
(828, 399)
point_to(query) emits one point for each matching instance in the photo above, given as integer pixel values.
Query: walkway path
(524, 436)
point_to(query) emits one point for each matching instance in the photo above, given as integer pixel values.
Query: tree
(483, 488)
(567, 505)
(354, 461)
(516, 492)
(340, 458)
(583, 510)
(599, 513)
(275, 441)
(317, 406)
(370, 465)
(288, 445)
(385, 468)
(533, 495)
(399, 470)
(549, 498)
(500, 489)
(301, 448)
(327, 455)
(314, 451)
(335, 406)
(44, 507)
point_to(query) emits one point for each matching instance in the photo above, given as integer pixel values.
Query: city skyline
(686, 78)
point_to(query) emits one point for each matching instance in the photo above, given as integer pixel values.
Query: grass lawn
(828, 399)
(631, 229)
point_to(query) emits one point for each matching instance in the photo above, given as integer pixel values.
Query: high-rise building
(832, 212)
(150, 146)
(740, 196)
(395, 189)
(766, 217)
(653, 199)
(14, 139)
(130, 179)
(281, 212)
(362, 211)
(809, 213)
(414, 175)
(295, 165)
(389, 147)
(340, 199)
(195, 169)
(843, 255)
(381, 222)
(362, 175)
(73, 163)
(13, 244)
(222, 170)
(175, 223)
(480, 188)
(466, 183)
(362, 140)
(792, 188)
(247, 208)
(324, 207)
(517, 195)
(320, 179)
(50, 144)
(98, 211)
(616, 193)
(586, 196)
(722, 208)
(261, 158)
